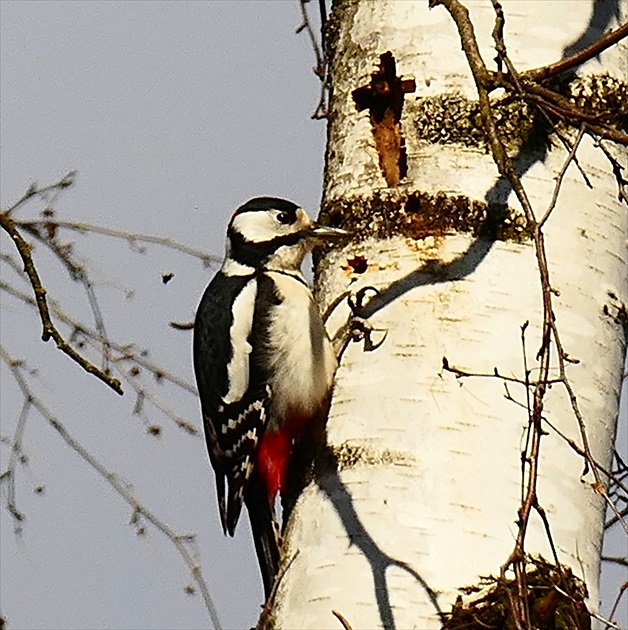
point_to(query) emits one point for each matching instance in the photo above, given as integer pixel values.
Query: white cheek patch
(238, 367)
(260, 227)
(257, 226)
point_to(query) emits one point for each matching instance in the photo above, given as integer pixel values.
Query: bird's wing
(235, 410)
(241, 434)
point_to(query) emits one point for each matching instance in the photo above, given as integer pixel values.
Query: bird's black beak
(328, 234)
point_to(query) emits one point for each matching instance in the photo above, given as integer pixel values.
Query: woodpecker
(263, 361)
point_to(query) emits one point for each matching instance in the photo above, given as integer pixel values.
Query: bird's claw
(361, 330)
(357, 327)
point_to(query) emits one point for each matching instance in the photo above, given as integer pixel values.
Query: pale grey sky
(173, 113)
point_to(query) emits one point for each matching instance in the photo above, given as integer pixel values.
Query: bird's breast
(301, 356)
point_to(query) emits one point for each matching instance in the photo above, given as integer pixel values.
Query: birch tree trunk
(418, 489)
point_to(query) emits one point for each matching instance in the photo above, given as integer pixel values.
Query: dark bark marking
(383, 97)
(420, 214)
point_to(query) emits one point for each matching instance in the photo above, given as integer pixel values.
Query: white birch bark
(426, 496)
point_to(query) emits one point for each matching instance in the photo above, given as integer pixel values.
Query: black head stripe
(256, 254)
(263, 204)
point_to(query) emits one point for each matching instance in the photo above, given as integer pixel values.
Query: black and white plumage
(263, 362)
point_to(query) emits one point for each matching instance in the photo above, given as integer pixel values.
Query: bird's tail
(265, 531)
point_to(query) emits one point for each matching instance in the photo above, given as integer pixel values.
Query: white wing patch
(238, 367)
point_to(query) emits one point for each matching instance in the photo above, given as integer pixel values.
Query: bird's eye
(285, 218)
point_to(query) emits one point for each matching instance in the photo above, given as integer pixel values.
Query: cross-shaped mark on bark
(383, 97)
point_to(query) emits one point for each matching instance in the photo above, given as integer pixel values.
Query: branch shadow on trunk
(342, 501)
(532, 151)
(602, 15)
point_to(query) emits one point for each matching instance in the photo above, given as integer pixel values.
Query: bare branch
(622, 184)
(77, 273)
(266, 616)
(610, 624)
(560, 107)
(45, 226)
(620, 560)
(460, 373)
(49, 329)
(125, 354)
(178, 540)
(597, 47)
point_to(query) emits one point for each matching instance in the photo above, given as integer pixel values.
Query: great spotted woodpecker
(263, 362)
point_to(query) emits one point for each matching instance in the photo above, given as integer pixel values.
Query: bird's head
(272, 233)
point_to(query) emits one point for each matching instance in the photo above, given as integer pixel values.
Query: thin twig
(620, 560)
(580, 452)
(610, 624)
(560, 107)
(127, 352)
(622, 184)
(270, 603)
(568, 146)
(34, 191)
(559, 178)
(78, 274)
(459, 373)
(345, 624)
(9, 474)
(131, 237)
(616, 518)
(320, 70)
